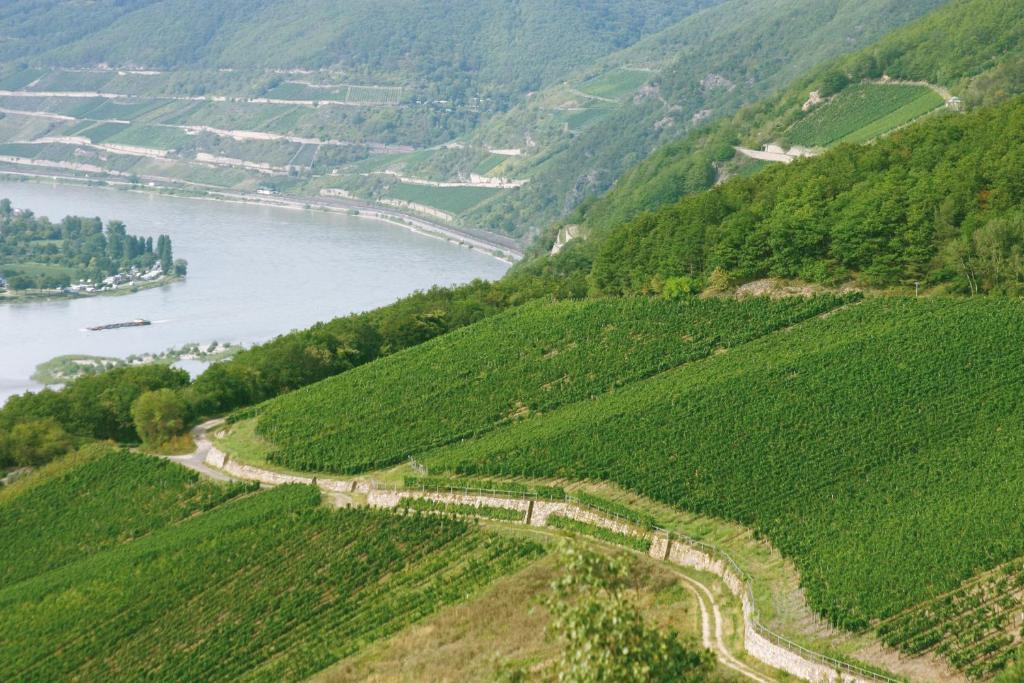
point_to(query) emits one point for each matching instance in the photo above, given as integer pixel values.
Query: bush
(159, 416)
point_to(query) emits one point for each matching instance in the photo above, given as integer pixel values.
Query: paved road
(197, 459)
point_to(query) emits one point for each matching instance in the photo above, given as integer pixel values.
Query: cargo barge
(115, 326)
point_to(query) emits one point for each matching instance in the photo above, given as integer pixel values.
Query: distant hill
(565, 95)
(704, 67)
(457, 47)
(974, 48)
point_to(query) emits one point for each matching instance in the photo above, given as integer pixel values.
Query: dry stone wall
(757, 642)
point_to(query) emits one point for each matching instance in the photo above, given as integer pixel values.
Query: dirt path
(712, 630)
(196, 460)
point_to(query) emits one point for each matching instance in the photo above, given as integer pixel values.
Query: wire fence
(712, 551)
(716, 553)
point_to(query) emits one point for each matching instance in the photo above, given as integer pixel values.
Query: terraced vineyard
(879, 447)
(269, 588)
(454, 200)
(616, 84)
(92, 501)
(863, 112)
(505, 369)
(977, 627)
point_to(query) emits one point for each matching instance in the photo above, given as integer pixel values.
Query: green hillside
(584, 89)
(509, 367)
(458, 47)
(877, 447)
(937, 203)
(974, 47)
(271, 588)
(863, 112)
(706, 66)
(92, 501)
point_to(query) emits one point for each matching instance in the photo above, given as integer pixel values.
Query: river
(254, 272)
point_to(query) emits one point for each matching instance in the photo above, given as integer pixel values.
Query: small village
(131, 277)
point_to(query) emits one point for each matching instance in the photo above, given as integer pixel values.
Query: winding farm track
(711, 619)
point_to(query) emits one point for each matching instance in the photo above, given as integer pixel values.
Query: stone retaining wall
(678, 552)
(216, 458)
(755, 644)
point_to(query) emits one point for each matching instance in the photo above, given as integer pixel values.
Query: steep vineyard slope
(271, 588)
(531, 360)
(878, 447)
(97, 499)
(706, 66)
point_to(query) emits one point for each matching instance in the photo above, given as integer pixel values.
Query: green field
(878, 448)
(158, 137)
(454, 200)
(272, 587)
(91, 501)
(510, 367)
(125, 111)
(364, 94)
(20, 149)
(32, 269)
(489, 163)
(74, 81)
(102, 131)
(580, 119)
(616, 85)
(863, 112)
(19, 79)
(299, 91)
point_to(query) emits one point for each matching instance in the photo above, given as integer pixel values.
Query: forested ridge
(938, 203)
(456, 48)
(974, 47)
(707, 66)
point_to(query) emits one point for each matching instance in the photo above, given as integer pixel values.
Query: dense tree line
(936, 203)
(36, 253)
(154, 403)
(37, 427)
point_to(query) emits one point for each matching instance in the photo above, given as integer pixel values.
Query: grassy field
(35, 269)
(503, 627)
(862, 446)
(505, 369)
(863, 112)
(121, 111)
(456, 200)
(74, 81)
(299, 91)
(20, 149)
(615, 85)
(272, 587)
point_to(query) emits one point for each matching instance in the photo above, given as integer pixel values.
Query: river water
(254, 272)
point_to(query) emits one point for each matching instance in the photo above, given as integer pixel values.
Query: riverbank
(28, 295)
(503, 249)
(66, 368)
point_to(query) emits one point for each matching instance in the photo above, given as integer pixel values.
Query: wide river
(254, 272)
